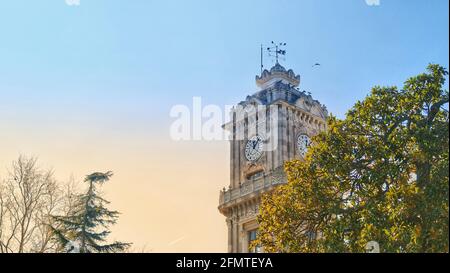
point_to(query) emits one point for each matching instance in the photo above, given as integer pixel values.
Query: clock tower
(268, 128)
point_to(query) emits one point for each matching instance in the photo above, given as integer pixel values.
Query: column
(230, 234)
(244, 239)
(284, 134)
(276, 152)
(237, 163)
(269, 162)
(232, 151)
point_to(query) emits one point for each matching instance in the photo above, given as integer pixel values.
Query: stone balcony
(262, 184)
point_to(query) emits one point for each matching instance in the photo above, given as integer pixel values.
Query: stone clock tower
(260, 142)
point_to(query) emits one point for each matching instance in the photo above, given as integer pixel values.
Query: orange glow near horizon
(167, 191)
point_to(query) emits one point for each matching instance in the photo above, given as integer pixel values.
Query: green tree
(86, 227)
(381, 174)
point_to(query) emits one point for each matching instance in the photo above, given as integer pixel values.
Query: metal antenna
(276, 49)
(262, 65)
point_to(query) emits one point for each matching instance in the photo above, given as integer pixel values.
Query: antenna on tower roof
(276, 49)
(262, 65)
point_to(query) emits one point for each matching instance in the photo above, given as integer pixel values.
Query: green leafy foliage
(381, 174)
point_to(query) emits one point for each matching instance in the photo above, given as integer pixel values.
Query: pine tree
(87, 225)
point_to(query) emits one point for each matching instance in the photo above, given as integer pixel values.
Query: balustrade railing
(248, 188)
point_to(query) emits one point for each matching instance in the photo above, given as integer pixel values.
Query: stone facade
(297, 114)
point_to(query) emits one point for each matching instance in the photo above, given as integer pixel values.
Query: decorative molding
(277, 72)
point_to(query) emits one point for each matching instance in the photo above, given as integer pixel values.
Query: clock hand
(255, 143)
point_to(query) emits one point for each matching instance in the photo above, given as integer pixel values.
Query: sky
(89, 87)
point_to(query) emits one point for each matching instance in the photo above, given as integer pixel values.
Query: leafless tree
(28, 196)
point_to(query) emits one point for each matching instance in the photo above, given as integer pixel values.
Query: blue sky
(90, 87)
(137, 58)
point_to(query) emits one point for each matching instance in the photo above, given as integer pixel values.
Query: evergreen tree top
(99, 177)
(86, 226)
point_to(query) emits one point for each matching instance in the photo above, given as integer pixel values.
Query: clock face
(303, 142)
(254, 148)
